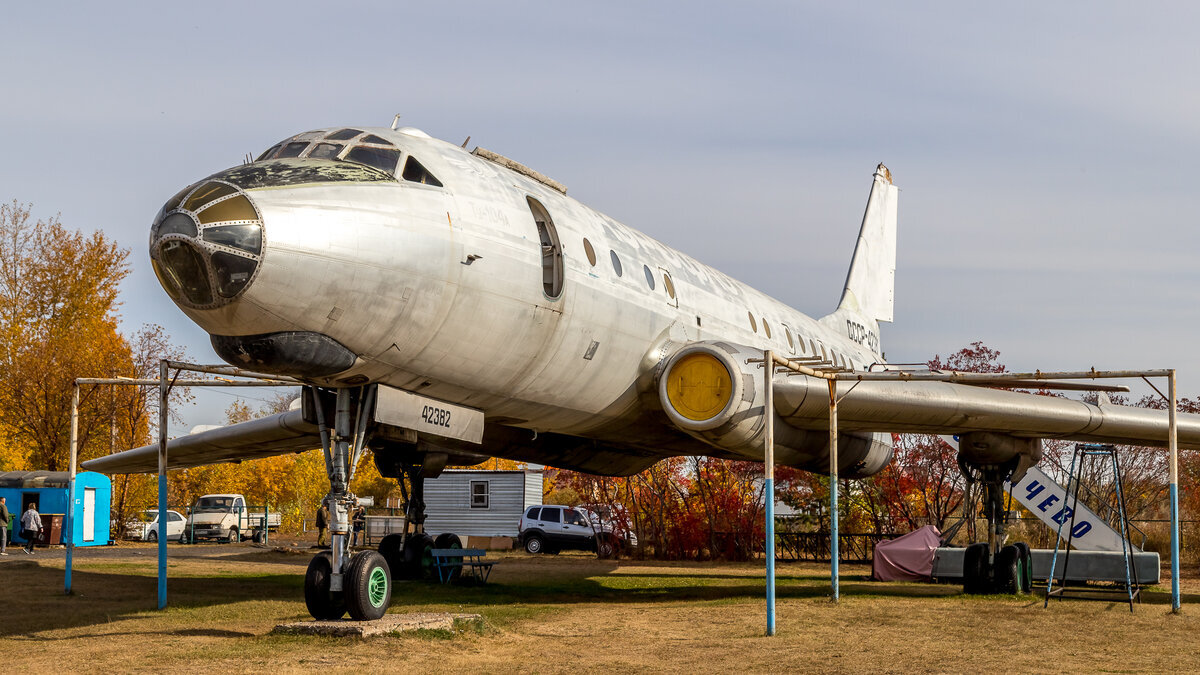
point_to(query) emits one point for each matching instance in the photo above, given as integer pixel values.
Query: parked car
(547, 528)
(146, 529)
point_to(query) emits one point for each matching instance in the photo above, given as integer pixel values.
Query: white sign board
(1048, 500)
(426, 415)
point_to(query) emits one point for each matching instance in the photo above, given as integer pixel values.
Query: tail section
(871, 282)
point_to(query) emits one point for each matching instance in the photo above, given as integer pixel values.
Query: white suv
(548, 529)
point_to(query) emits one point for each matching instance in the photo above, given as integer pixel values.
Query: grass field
(568, 613)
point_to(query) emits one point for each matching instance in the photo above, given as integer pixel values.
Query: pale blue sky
(1044, 154)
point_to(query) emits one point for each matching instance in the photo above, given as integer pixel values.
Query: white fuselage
(440, 290)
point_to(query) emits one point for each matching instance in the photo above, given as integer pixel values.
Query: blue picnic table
(452, 563)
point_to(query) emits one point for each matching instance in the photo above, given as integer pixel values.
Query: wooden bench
(447, 560)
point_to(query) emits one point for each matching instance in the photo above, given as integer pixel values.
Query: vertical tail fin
(870, 284)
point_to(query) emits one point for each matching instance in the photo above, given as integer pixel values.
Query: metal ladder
(1084, 451)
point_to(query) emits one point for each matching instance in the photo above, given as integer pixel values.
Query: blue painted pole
(1173, 445)
(162, 484)
(833, 495)
(70, 518)
(769, 470)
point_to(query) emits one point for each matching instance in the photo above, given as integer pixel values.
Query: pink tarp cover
(907, 558)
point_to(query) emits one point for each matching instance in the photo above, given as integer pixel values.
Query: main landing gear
(337, 582)
(992, 566)
(410, 555)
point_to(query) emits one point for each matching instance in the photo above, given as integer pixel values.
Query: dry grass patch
(570, 613)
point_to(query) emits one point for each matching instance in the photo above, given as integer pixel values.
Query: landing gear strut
(410, 555)
(337, 582)
(992, 566)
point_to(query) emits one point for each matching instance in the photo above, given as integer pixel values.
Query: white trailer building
(473, 503)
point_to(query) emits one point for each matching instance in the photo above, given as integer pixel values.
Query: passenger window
(590, 252)
(649, 276)
(766, 328)
(550, 515)
(326, 151)
(670, 288)
(343, 135)
(414, 172)
(753, 323)
(380, 158)
(616, 262)
(532, 514)
(788, 333)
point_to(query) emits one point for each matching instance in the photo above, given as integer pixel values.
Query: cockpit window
(343, 135)
(413, 171)
(269, 152)
(376, 140)
(326, 151)
(380, 158)
(290, 150)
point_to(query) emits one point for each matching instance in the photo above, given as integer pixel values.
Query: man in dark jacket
(4, 516)
(322, 525)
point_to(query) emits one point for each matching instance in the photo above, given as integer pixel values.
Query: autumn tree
(58, 302)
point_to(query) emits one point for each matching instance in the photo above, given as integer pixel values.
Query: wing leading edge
(263, 437)
(949, 408)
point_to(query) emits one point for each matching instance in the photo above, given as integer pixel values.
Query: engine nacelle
(985, 448)
(712, 391)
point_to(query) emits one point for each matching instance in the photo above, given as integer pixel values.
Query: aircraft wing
(263, 437)
(950, 408)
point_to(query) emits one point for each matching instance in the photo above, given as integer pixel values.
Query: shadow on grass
(109, 596)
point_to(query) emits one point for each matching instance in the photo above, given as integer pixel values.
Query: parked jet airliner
(445, 305)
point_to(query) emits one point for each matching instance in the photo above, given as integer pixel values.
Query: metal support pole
(833, 495)
(70, 533)
(1173, 445)
(163, 391)
(769, 494)
(266, 525)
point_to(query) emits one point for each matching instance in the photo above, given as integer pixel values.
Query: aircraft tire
(1026, 562)
(391, 547)
(535, 544)
(368, 586)
(323, 604)
(450, 540)
(975, 569)
(1007, 571)
(418, 557)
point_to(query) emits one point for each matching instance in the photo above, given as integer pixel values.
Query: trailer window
(480, 492)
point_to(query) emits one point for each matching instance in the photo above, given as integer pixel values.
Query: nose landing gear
(336, 582)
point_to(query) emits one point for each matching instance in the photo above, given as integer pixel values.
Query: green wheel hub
(377, 586)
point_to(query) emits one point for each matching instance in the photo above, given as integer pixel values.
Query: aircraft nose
(206, 244)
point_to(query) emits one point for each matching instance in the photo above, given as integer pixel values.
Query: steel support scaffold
(164, 383)
(833, 375)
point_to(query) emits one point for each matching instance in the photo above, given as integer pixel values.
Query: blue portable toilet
(48, 491)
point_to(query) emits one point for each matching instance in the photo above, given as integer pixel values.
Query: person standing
(360, 522)
(31, 525)
(322, 524)
(4, 516)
